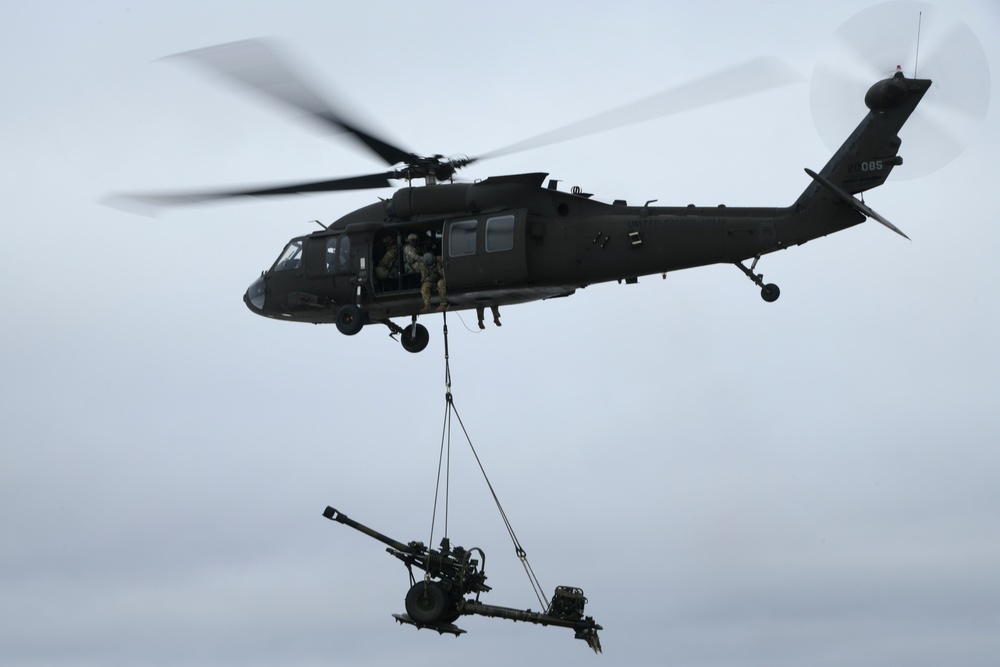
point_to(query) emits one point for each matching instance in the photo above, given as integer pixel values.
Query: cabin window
(500, 233)
(291, 257)
(462, 239)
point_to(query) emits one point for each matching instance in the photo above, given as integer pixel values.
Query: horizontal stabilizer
(854, 202)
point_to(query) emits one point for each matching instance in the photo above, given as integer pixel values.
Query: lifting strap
(444, 464)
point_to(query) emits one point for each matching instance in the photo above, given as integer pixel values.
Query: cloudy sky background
(731, 482)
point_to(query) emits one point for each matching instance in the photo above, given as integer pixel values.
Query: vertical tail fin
(872, 151)
(863, 162)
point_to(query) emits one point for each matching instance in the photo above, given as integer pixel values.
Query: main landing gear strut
(413, 338)
(768, 292)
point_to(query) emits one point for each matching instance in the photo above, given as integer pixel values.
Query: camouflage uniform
(432, 273)
(387, 265)
(413, 259)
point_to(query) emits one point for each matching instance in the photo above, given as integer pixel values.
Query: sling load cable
(444, 456)
(444, 460)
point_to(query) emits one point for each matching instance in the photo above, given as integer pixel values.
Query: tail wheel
(349, 320)
(426, 602)
(415, 337)
(768, 292)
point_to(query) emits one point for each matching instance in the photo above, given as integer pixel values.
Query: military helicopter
(512, 239)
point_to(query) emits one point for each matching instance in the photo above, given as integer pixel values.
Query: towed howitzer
(451, 574)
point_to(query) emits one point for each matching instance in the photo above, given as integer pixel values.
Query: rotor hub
(887, 93)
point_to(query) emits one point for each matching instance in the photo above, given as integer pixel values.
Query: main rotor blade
(751, 77)
(257, 65)
(369, 181)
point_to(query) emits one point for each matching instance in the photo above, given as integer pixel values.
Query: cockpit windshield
(291, 257)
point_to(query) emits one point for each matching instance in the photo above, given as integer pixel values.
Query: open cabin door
(485, 251)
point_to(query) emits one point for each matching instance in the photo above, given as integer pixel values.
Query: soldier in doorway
(432, 274)
(413, 256)
(387, 265)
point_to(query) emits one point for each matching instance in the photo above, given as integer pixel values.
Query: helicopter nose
(254, 298)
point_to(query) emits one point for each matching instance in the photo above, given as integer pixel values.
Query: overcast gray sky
(731, 482)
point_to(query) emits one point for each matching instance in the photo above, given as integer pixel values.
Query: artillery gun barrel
(335, 515)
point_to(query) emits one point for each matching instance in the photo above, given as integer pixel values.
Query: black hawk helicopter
(513, 239)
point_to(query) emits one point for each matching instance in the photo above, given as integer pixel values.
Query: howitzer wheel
(428, 603)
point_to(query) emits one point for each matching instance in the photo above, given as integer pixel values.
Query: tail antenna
(916, 57)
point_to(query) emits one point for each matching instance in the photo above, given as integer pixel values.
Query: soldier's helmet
(412, 238)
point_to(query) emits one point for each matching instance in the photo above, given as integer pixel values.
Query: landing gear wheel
(768, 292)
(426, 602)
(349, 320)
(415, 338)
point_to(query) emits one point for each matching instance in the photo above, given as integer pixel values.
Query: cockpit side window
(291, 257)
(344, 254)
(331, 254)
(338, 254)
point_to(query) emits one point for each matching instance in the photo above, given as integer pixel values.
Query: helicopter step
(769, 292)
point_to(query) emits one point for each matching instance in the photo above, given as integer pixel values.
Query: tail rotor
(923, 41)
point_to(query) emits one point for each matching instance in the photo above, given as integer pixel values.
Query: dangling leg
(425, 291)
(496, 315)
(479, 316)
(442, 294)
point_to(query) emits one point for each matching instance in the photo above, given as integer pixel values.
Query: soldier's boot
(479, 315)
(496, 315)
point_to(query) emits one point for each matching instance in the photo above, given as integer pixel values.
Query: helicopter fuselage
(503, 241)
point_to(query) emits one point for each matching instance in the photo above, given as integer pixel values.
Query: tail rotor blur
(875, 42)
